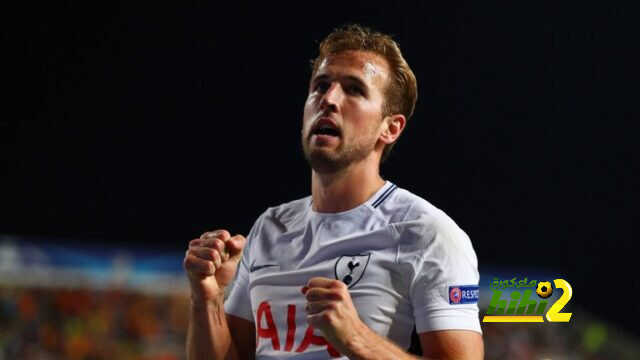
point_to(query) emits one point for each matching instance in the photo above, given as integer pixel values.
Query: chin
(323, 161)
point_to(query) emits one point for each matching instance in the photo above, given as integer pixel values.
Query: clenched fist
(211, 262)
(330, 309)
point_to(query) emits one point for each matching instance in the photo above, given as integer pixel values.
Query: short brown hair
(402, 92)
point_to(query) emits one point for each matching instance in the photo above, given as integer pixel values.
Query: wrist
(360, 343)
(211, 308)
(199, 299)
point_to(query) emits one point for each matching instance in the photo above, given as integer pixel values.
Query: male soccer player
(350, 270)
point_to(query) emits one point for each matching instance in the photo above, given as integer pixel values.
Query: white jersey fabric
(398, 254)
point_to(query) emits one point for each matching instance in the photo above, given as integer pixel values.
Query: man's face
(343, 112)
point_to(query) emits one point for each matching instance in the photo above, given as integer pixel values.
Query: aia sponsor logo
(266, 330)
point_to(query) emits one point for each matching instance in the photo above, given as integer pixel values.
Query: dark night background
(145, 124)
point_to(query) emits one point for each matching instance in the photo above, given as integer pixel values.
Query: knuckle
(219, 244)
(190, 265)
(210, 234)
(238, 236)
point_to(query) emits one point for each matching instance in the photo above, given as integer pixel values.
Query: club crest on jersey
(350, 268)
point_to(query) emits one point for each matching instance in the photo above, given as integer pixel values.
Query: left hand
(330, 309)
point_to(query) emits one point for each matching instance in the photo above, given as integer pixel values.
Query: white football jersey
(406, 264)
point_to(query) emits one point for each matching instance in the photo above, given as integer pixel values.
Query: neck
(345, 189)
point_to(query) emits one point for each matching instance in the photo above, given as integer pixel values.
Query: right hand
(211, 262)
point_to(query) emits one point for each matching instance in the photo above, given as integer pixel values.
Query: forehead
(369, 67)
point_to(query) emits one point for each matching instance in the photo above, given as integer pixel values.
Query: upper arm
(444, 289)
(444, 295)
(243, 337)
(452, 344)
(237, 305)
(238, 311)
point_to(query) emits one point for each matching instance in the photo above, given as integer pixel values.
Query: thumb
(235, 245)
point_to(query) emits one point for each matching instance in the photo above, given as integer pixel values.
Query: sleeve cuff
(458, 319)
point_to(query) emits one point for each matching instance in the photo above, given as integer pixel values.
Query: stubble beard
(328, 161)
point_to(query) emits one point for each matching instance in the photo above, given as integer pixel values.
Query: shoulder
(424, 225)
(271, 224)
(284, 217)
(407, 208)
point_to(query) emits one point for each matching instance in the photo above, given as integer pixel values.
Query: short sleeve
(238, 301)
(447, 265)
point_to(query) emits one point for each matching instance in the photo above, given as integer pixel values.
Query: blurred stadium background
(60, 302)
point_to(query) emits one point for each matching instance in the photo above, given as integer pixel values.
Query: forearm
(208, 336)
(368, 345)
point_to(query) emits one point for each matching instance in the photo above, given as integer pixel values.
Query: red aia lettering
(291, 327)
(309, 338)
(270, 332)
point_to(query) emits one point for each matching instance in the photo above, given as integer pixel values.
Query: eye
(321, 86)
(355, 89)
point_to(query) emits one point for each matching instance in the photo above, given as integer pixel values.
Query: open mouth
(325, 127)
(326, 130)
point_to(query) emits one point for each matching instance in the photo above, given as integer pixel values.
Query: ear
(392, 127)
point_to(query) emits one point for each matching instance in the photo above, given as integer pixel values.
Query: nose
(332, 98)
